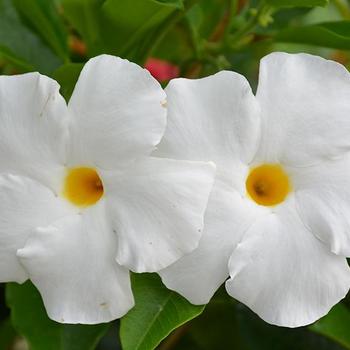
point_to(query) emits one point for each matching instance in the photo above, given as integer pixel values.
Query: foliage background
(198, 37)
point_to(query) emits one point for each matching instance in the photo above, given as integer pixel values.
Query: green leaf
(157, 312)
(67, 75)
(335, 325)
(175, 3)
(108, 26)
(30, 319)
(43, 16)
(296, 3)
(21, 46)
(331, 34)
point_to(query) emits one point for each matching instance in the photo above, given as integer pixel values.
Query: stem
(250, 24)
(233, 9)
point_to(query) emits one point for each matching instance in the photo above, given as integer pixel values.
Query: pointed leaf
(331, 34)
(157, 312)
(107, 26)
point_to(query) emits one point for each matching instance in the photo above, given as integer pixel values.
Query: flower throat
(83, 186)
(268, 184)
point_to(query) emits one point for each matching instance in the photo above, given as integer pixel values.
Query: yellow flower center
(83, 186)
(268, 184)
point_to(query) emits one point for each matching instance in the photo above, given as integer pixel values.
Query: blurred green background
(188, 38)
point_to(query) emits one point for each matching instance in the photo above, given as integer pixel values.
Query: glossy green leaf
(20, 45)
(141, 29)
(296, 3)
(335, 325)
(107, 26)
(157, 312)
(67, 75)
(43, 16)
(30, 319)
(331, 34)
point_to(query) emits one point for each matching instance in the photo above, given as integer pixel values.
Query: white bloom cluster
(215, 183)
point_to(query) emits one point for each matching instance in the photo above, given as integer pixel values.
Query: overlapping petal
(72, 263)
(199, 274)
(32, 127)
(24, 205)
(151, 212)
(212, 119)
(305, 106)
(284, 273)
(157, 207)
(116, 113)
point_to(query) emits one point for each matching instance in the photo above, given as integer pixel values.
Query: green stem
(250, 24)
(232, 7)
(176, 17)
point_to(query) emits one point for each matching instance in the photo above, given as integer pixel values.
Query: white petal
(32, 127)
(157, 207)
(305, 104)
(24, 205)
(285, 274)
(211, 119)
(116, 113)
(322, 197)
(198, 275)
(72, 264)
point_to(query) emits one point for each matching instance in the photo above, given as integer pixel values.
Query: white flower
(81, 199)
(278, 219)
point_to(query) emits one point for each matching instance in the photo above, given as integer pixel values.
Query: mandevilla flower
(81, 199)
(278, 218)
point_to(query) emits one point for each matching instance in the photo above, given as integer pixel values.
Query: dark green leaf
(335, 325)
(296, 3)
(107, 26)
(331, 34)
(43, 16)
(30, 319)
(67, 75)
(157, 312)
(20, 45)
